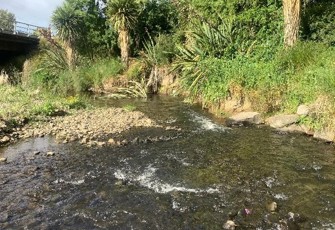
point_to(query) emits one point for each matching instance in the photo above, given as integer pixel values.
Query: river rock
(229, 225)
(111, 141)
(272, 206)
(136, 140)
(245, 117)
(325, 135)
(303, 110)
(4, 140)
(3, 159)
(3, 217)
(279, 121)
(49, 154)
(84, 140)
(294, 128)
(124, 142)
(101, 143)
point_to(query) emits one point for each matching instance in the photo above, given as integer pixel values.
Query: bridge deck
(21, 39)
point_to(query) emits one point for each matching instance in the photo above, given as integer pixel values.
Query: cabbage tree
(67, 22)
(123, 16)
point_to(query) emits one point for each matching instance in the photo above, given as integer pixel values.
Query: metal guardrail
(23, 29)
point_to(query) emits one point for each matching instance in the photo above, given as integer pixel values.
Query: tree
(123, 15)
(156, 17)
(7, 20)
(81, 24)
(67, 22)
(291, 10)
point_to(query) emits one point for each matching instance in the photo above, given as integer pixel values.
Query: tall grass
(86, 76)
(18, 103)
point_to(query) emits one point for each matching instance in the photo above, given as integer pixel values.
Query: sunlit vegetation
(217, 49)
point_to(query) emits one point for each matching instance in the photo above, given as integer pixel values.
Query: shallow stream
(195, 178)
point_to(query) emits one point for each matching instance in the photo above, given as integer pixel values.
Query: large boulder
(294, 128)
(325, 135)
(245, 117)
(280, 121)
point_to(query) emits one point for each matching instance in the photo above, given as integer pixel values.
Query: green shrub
(318, 22)
(46, 109)
(80, 80)
(135, 70)
(75, 103)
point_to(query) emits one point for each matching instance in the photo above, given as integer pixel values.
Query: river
(195, 178)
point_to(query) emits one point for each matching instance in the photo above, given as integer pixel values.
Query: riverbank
(28, 112)
(97, 127)
(70, 120)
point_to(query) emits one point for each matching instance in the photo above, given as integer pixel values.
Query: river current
(195, 178)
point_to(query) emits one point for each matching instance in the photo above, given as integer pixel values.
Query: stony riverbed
(170, 166)
(97, 127)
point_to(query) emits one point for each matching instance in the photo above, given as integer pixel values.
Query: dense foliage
(219, 49)
(83, 25)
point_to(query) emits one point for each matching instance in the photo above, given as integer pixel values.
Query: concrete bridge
(19, 41)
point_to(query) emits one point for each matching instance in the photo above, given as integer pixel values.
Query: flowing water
(196, 178)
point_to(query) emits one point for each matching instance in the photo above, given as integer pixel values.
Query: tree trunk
(124, 46)
(70, 55)
(291, 10)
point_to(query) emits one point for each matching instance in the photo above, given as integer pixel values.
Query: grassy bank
(304, 74)
(44, 71)
(48, 87)
(18, 103)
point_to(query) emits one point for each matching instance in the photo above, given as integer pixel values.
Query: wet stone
(279, 121)
(4, 217)
(124, 142)
(136, 140)
(272, 206)
(229, 225)
(4, 182)
(245, 118)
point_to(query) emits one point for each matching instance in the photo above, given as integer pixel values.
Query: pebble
(229, 225)
(3, 217)
(101, 143)
(111, 141)
(3, 159)
(50, 153)
(124, 142)
(36, 153)
(272, 206)
(136, 140)
(4, 140)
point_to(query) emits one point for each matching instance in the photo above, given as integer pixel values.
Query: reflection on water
(195, 181)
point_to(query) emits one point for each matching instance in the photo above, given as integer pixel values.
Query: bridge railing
(23, 29)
